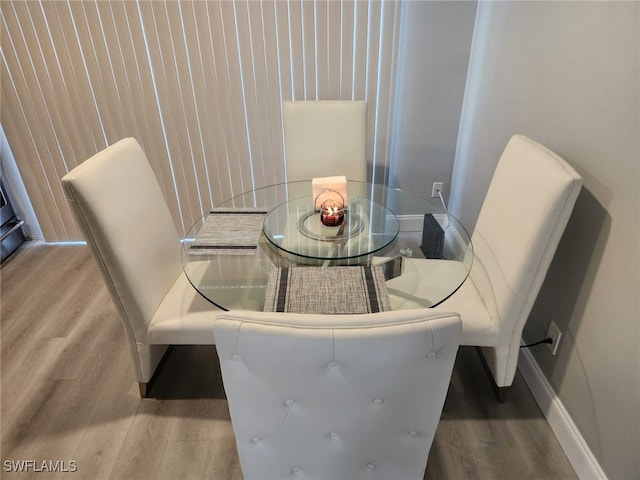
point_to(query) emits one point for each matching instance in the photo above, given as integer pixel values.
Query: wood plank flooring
(68, 394)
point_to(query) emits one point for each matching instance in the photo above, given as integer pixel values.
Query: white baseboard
(575, 448)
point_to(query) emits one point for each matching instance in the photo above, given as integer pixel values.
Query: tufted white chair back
(336, 397)
(325, 138)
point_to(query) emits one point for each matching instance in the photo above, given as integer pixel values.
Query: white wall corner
(575, 448)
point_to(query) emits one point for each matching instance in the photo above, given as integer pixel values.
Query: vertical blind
(199, 83)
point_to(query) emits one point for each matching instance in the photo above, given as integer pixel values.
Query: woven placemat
(230, 231)
(330, 291)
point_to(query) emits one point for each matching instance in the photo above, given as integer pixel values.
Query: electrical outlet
(554, 334)
(436, 189)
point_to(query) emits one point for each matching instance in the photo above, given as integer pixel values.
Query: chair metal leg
(501, 392)
(143, 389)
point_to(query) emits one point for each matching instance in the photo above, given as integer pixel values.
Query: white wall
(567, 75)
(433, 60)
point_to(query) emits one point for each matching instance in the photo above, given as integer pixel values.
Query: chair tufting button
(413, 433)
(333, 364)
(256, 439)
(334, 435)
(371, 466)
(377, 401)
(289, 402)
(295, 470)
(236, 356)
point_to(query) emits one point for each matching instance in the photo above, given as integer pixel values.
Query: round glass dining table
(425, 252)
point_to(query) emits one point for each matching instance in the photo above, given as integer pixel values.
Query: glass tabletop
(381, 225)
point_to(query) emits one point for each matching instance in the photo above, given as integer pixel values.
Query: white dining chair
(325, 138)
(523, 216)
(118, 205)
(336, 396)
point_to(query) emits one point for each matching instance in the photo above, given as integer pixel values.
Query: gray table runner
(331, 290)
(230, 231)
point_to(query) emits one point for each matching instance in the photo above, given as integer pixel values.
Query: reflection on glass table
(380, 224)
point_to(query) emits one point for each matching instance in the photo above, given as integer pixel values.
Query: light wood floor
(68, 394)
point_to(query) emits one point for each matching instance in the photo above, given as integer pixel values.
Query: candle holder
(331, 209)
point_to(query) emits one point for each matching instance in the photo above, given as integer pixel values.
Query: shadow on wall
(571, 274)
(568, 284)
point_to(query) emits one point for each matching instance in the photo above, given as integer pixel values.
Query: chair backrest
(325, 138)
(117, 203)
(336, 397)
(528, 204)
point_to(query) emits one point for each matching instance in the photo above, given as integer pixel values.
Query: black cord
(546, 340)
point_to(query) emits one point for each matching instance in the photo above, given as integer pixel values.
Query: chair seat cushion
(433, 278)
(172, 326)
(478, 328)
(424, 282)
